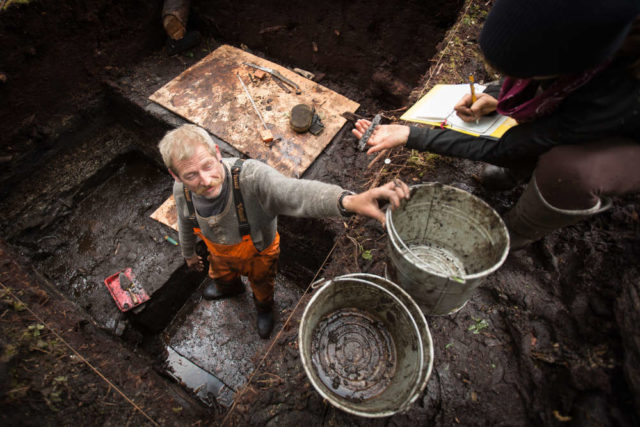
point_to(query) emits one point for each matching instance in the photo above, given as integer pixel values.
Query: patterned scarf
(520, 100)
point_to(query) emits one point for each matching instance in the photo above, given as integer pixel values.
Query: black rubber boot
(191, 39)
(265, 317)
(497, 178)
(216, 290)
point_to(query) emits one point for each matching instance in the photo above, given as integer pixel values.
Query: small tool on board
(277, 75)
(266, 134)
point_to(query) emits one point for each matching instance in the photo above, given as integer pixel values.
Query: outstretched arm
(367, 203)
(279, 195)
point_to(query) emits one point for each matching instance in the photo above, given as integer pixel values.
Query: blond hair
(180, 143)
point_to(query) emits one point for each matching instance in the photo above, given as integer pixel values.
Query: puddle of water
(436, 259)
(203, 384)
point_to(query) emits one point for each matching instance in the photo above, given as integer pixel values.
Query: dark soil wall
(382, 47)
(53, 54)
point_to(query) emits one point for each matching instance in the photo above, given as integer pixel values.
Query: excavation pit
(85, 174)
(88, 215)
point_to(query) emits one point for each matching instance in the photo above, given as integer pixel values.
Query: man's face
(202, 173)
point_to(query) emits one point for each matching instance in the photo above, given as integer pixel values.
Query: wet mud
(550, 338)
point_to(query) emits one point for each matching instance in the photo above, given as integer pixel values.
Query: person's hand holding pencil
(473, 106)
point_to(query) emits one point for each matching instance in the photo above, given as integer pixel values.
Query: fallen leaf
(561, 418)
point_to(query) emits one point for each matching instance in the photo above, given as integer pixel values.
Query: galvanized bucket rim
(309, 370)
(310, 373)
(392, 232)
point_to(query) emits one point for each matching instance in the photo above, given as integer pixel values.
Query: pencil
(473, 92)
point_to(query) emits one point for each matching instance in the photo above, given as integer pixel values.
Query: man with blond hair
(233, 205)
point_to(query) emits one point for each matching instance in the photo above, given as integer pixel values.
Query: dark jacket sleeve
(493, 88)
(520, 143)
(607, 106)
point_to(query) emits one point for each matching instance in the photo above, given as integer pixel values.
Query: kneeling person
(232, 205)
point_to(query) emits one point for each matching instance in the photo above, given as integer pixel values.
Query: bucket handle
(319, 283)
(393, 232)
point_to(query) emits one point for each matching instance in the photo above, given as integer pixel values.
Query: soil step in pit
(214, 346)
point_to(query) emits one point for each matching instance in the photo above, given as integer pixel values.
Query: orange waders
(228, 262)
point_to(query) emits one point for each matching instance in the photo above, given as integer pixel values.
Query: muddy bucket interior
(442, 243)
(365, 345)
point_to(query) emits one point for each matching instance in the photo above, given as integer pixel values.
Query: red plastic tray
(123, 299)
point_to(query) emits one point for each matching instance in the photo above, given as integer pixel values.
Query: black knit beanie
(526, 38)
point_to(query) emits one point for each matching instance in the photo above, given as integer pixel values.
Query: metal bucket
(365, 345)
(442, 243)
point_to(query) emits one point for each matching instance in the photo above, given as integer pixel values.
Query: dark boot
(191, 39)
(265, 317)
(497, 178)
(216, 289)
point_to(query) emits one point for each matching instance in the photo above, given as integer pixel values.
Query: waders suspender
(192, 210)
(243, 226)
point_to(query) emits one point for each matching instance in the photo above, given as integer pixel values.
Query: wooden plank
(210, 95)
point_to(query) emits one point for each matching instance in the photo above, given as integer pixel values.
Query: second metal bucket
(365, 345)
(442, 243)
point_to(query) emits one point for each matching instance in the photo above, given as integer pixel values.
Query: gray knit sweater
(266, 193)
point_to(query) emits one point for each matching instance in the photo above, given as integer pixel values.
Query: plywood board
(210, 95)
(167, 213)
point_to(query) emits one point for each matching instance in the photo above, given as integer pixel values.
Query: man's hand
(485, 104)
(195, 262)
(384, 136)
(367, 203)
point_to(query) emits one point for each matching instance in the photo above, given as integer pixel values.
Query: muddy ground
(551, 338)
